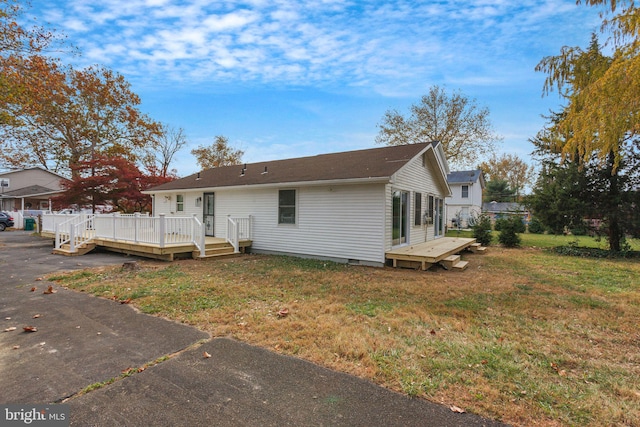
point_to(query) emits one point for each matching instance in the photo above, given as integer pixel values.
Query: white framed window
(287, 207)
(179, 203)
(465, 191)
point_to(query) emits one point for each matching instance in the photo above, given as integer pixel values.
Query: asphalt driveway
(83, 340)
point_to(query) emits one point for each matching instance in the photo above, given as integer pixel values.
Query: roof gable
(464, 177)
(380, 163)
(32, 168)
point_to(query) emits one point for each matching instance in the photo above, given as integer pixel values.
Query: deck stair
(82, 249)
(477, 248)
(216, 250)
(453, 262)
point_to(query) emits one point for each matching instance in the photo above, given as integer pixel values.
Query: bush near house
(509, 232)
(482, 230)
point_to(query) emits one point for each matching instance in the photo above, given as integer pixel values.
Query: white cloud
(391, 45)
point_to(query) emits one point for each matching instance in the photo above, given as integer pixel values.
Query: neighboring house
(28, 189)
(349, 207)
(466, 197)
(496, 210)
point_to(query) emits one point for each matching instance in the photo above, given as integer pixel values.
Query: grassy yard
(523, 335)
(550, 240)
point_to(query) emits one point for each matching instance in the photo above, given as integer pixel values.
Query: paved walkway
(82, 340)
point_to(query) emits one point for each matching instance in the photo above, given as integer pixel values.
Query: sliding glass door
(400, 217)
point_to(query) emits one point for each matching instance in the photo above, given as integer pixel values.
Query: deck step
(450, 261)
(478, 248)
(215, 251)
(80, 249)
(460, 265)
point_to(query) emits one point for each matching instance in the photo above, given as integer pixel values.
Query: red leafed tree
(109, 181)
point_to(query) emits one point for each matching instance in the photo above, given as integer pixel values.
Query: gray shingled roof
(362, 164)
(462, 177)
(32, 190)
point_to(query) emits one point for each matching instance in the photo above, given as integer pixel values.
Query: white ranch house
(349, 207)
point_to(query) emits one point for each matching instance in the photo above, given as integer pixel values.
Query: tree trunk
(614, 232)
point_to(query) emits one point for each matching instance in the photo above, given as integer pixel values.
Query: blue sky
(287, 78)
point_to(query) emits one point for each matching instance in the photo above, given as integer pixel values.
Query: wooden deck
(214, 247)
(440, 251)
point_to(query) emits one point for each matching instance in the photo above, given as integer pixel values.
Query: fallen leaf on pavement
(457, 410)
(50, 290)
(30, 329)
(125, 301)
(7, 318)
(15, 347)
(39, 279)
(33, 289)
(12, 328)
(35, 316)
(206, 355)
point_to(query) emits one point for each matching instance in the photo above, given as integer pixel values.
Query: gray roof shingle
(462, 177)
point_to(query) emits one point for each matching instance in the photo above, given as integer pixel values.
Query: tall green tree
(498, 190)
(462, 127)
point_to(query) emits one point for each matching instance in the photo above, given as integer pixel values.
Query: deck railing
(134, 228)
(72, 229)
(238, 229)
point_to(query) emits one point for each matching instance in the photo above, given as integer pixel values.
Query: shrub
(509, 234)
(500, 222)
(579, 229)
(535, 226)
(482, 230)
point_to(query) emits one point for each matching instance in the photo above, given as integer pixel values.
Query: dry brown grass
(522, 336)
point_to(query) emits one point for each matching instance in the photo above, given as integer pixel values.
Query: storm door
(208, 214)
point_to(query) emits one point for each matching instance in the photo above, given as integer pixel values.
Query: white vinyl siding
(344, 222)
(464, 206)
(415, 176)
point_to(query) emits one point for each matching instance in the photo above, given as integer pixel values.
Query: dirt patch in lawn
(523, 335)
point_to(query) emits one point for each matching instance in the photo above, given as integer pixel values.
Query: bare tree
(169, 142)
(463, 128)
